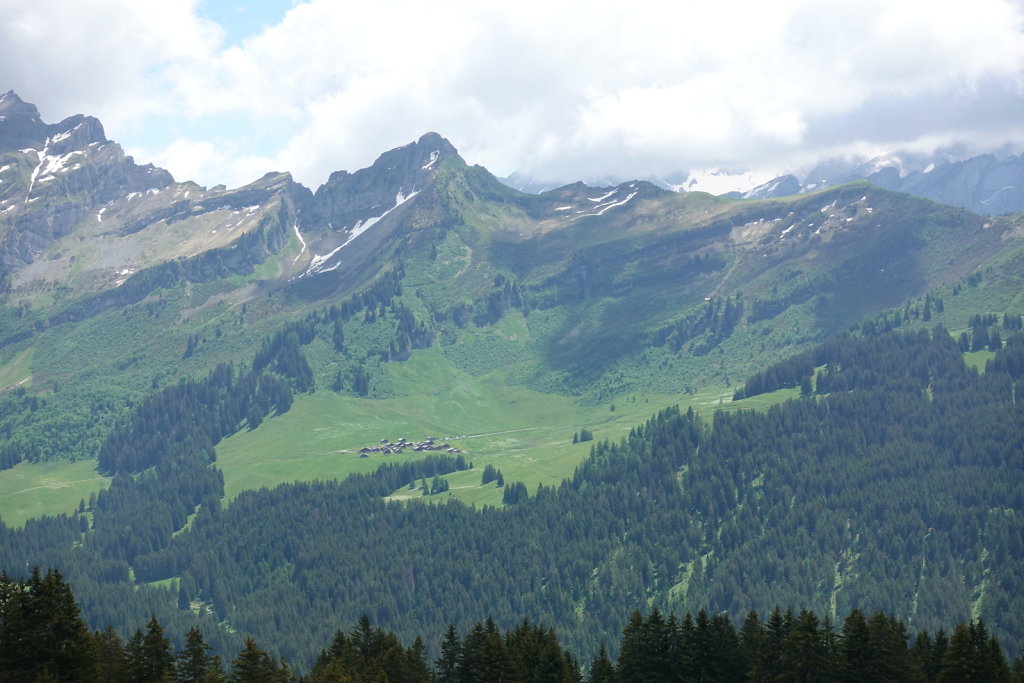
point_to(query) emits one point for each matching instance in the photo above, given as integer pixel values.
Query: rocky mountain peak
(350, 199)
(20, 125)
(75, 133)
(409, 162)
(43, 164)
(13, 106)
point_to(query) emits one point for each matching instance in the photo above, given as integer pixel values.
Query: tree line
(44, 638)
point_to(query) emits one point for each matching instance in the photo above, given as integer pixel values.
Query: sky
(223, 91)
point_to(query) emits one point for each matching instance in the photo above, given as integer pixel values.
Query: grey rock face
(347, 199)
(777, 187)
(20, 125)
(55, 175)
(985, 184)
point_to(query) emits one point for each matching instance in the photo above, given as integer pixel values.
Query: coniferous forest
(892, 485)
(42, 637)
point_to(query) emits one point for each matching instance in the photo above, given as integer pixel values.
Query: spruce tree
(450, 661)
(805, 657)
(960, 663)
(194, 662)
(111, 661)
(601, 669)
(149, 654)
(41, 630)
(253, 665)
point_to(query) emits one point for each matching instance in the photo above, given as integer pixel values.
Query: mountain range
(987, 184)
(173, 358)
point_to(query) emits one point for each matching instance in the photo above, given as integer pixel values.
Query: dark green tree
(149, 654)
(194, 661)
(41, 632)
(601, 669)
(253, 665)
(111, 661)
(806, 657)
(961, 663)
(449, 663)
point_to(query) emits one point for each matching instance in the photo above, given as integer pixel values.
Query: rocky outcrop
(776, 187)
(52, 176)
(348, 200)
(988, 184)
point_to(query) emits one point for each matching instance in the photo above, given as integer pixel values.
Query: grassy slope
(524, 433)
(17, 370)
(35, 489)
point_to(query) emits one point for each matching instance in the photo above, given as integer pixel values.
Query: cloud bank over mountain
(552, 90)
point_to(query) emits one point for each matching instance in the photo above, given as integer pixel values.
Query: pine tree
(751, 640)
(888, 642)
(41, 631)
(805, 657)
(601, 669)
(416, 668)
(449, 663)
(960, 663)
(149, 654)
(194, 662)
(111, 661)
(855, 653)
(639, 659)
(768, 665)
(253, 665)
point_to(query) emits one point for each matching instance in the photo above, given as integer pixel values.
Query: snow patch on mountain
(318, 264)
(301, 241)
(65, 135)
(360, 227)
(601, 208)
(49, 165)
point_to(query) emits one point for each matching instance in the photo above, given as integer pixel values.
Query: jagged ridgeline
(120, 280)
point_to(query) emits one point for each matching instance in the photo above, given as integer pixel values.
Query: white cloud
(101, 57)
(190, 159)
(554, 89)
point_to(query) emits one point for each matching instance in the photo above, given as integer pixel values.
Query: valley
(209, 363)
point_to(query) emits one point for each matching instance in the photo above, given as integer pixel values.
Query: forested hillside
(897, 488)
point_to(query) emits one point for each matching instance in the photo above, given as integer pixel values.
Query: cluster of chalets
(386, 447)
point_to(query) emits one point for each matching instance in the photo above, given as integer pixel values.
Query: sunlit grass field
(30, 490)
(524, 433)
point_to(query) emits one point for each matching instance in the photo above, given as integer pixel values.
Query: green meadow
(30, 490)
(524, 433)
(17, 370)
